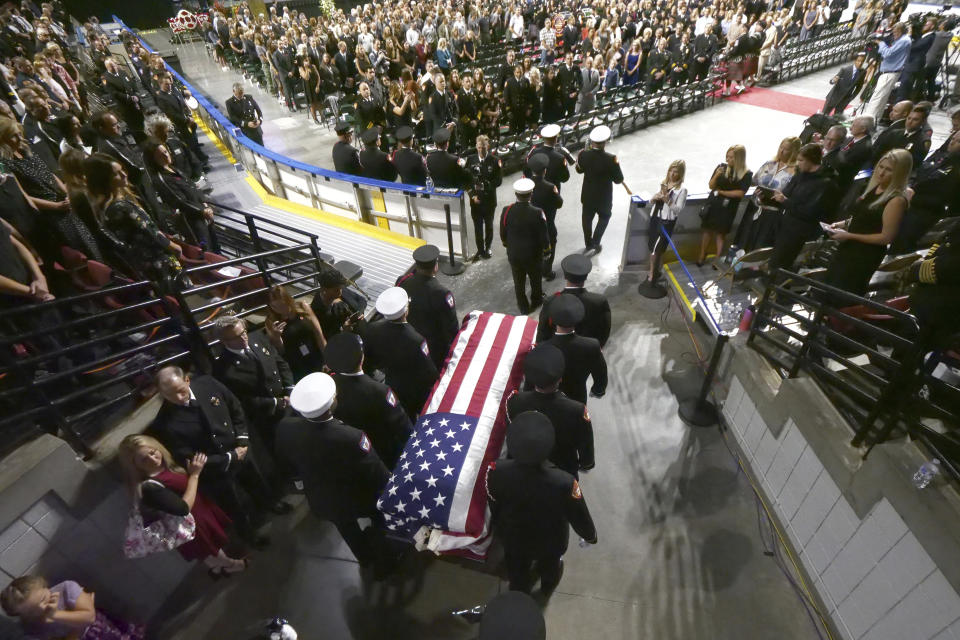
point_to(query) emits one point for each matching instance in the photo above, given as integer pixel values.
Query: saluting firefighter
(433, 310)
(486, 171)
(523, 231)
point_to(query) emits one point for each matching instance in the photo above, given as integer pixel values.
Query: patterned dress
(145, 247)
(104, 627)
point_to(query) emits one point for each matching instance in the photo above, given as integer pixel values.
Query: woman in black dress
(873, 224)
(552, 97)
(728, 185)
(293, 328)
(311, 85)
(490, 111)
(181, 195)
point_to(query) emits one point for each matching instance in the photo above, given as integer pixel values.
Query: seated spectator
(65, 610)
(892, 136)
(294, 329)
(871, 225)
(40, 132)
(71, 168)
(160, 487)
(160, 129)
(69, 127)
(144, 246)
(21, 280)
(181, 195)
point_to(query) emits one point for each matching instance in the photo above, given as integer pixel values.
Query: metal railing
(864, 354)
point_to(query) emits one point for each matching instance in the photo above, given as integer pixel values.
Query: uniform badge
(364, 442)
(391, 398)
(425, 348)
(576, 491)
(586, 414)
(450, 302)
(215, 401)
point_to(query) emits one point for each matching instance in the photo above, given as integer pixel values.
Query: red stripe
(463, 364)
(478, 501)
(493, 358)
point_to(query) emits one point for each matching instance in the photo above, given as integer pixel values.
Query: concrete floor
(679, 557)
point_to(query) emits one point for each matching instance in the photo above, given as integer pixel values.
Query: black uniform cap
(342, 127)
(370, 135)
(530, 437)
(344, 352)
(544, 365)
(332, 278)
(441, 135)
(576, 267)
(512, 615)
(566, 310)
(404, 133)
(426, 256)
(538, 162)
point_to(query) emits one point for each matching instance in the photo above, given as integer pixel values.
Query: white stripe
(470, 471)
(468, 385)
(462, 341)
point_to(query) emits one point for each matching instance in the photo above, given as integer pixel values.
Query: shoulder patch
(392, 398)
(364, 442)
(586, 414)
(425, 348)
(575, 492)
(450, 301)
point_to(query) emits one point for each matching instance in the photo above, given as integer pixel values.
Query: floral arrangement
(326, 7)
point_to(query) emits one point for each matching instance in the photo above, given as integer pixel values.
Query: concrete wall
(882, 556)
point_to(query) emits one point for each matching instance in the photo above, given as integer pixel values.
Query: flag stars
(450, 433)
(401, 506)
(441, 456)
(456, 447)
(464, 426)
(392, 491)
(444, 422)
(440, 500)
(419, 453)
(416, 443)
(430, 481)
(425, 466)
(415, 494)
(405, 465)
(408, 477)
(424, 512)
(447, 470)
(435, 443)
(429, 431)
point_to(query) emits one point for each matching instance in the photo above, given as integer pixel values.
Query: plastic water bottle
(926, 473)
(429, 183)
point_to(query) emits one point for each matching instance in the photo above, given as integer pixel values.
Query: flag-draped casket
(436, 495)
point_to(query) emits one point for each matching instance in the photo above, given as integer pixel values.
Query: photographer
(893, 57)
(916, 59)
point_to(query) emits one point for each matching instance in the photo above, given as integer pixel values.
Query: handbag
(164, 534)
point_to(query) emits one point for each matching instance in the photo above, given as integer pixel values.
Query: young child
(64, 610)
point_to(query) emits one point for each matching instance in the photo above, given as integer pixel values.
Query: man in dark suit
(546, 196)
(341, 472)
(892, 137)
(916, 59)
(410, 165)
(123, 89)
(570, 79)
(433, 310)
(253, 370)
(346, 159)
(600, 171)
(174, 105)
(543, 368)
(534, 504)
(704, 48)
(583, 356)
(855, 154)
(596, 318)
(846, 84)
(200, 415)
(245, 113)
(446, 169)
(523, 231)
(365, 403)
(394, 346)
(374, 162)
(284, 59)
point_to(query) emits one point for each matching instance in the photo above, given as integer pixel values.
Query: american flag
(437, 486)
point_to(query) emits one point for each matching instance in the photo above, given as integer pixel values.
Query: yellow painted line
(381, 232)
(676, 285)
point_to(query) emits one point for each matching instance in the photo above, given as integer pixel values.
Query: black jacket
(243, 111)
(410, 165)
(811, 197)
(600, 171)
(573, 431)
(445, 169)
(174, 106)
(433, 313)
(546, 196)
(596, 320)
(376, 164)
(557, 170)
(259, 386)
(346, 159)
(404, 357)
(584, 359)
(523, 231)
(374, 408)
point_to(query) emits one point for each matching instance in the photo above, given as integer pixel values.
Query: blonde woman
(872, 224)
(668, 202)
(761, 221)
(294, 329)
(728, 185)
(159, 486)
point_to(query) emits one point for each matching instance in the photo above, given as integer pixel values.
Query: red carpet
(779, 101)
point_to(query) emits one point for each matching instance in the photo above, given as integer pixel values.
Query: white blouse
(674, 204)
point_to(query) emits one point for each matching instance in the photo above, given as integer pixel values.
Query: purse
(165, 534)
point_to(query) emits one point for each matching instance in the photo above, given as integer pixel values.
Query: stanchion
(700, 412)
(651, 289)
(451, 267)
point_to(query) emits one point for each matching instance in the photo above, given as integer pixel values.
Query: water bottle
(747, 318)
(926, 473)
(429, 183)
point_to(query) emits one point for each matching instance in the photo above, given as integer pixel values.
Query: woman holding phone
(667, 205)
(728, 185)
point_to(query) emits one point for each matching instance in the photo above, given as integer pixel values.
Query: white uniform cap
(392, 303)
(523, 185)
(600, 134)
(550, 131)
(313, 395)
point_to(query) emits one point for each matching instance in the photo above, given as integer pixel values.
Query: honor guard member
(486, 171)
(410, 165)
(512, 615)
(446, 169)
(546, 196)
(433, 311)
(558, 158)
(364, 403)
(583, 356)
(341, 472)
(600, 171)
(534, 504)
(253, 370)
(573, 432)
(596, 318)
(345, 156)
(244, 112)
(394, 346)
(375, 163)
(523, 231)
(935, 298)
